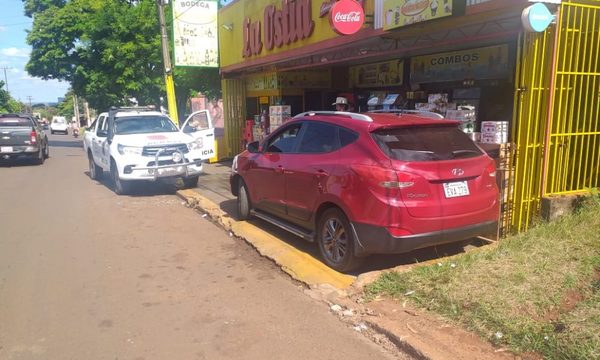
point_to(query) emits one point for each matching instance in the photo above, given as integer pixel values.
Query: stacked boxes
(467, 115)
(494, 132)
(436, 103)
(279, 114)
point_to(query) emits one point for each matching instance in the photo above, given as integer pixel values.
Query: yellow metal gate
(234, 105)
(556, 133)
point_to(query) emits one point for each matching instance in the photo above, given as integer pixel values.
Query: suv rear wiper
(456, 153)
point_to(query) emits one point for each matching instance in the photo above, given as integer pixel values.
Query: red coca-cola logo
(347, 17)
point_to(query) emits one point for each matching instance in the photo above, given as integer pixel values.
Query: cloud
(15, 52)
(2, 28)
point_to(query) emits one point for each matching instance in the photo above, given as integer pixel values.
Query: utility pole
(30, 106)
(86, 108)
(5, 78)
(76, 110)
(170, 84)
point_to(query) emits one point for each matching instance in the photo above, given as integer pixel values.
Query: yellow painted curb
(298, 264)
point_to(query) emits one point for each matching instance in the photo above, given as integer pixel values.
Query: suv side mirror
(102, 133)
(253, 147)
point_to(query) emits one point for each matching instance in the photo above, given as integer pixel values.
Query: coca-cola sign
(347, 17)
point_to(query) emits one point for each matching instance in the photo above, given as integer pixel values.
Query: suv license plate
(171, 171)
(6, 149)
(456, 189)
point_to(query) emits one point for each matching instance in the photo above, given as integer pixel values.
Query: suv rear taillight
(491, 169)
(33, 137)
(382, 181)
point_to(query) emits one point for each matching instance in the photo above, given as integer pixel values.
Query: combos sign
(388, 73)
(398, 13)
(291, 23)
(482, 63)
(346, 17)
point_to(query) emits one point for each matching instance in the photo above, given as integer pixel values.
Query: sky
(14, 54)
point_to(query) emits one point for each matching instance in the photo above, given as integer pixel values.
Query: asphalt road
(86, 274)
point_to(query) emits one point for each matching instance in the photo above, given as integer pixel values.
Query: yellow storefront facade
(435, 55)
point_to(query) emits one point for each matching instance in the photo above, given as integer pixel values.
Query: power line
(5, 77)
(15, 24)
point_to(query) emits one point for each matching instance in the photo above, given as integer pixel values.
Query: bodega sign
(284, 26)
(346, 17)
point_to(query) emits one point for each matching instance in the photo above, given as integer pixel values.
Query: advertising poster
(387, 73)
(481, 63)
(398, 13)
(195, 40)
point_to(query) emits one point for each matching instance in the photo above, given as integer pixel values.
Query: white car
(139, 144)
(59, 124)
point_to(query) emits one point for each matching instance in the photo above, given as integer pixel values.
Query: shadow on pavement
(140, 188)
(67, 144)
(16, 163)
(371, 263)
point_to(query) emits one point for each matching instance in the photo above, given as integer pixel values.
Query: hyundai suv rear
(374, 183)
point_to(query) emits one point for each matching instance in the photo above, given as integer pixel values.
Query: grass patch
(538, 291)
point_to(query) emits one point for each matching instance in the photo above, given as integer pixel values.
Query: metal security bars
(556, 125)
(234, 105)
(573, 155)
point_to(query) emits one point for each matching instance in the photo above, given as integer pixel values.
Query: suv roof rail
(351, 115)
(425, 113)
(133, 108)
(15, 115)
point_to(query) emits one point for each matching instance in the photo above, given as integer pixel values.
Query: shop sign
(382, 74)
(536, 18)
(305, 79)
(328, 4)
(346, 17)
(291, 23)
(195, 33)
(482, 63)
(398, 13)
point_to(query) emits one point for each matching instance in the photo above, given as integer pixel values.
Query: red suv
(372, 183)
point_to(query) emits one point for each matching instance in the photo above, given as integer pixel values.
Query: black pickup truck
(22, 137)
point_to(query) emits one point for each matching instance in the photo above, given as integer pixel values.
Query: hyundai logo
(458, 172)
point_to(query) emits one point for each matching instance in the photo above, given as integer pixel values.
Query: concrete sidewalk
(214, 182)
(295, 256)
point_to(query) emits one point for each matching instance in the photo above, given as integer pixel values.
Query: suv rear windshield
(143, 125)
(9, 122)
(430, 143)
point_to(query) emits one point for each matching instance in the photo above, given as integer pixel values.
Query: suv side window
(102, 126)
(347, 137)
(319, 138)
(285, 141)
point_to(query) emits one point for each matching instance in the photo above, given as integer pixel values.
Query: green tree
(7, 103)
(109, 50)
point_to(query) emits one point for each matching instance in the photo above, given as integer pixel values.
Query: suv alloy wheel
(243, 201)
(121, 187)
(95, 170)
(336, 241)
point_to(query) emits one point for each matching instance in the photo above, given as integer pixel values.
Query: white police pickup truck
(141, 144)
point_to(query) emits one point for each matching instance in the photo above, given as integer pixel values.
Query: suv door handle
(279, 169)
(321, 174)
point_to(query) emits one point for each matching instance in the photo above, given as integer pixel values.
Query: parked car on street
(141, 144)
(375, 183)
(59, 124)
(22, 137)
